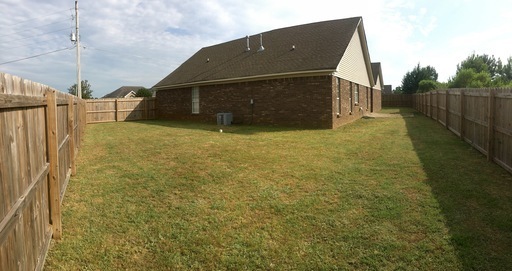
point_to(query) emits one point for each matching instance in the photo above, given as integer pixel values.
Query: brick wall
(356, 111)
(377, 100)
(300, 102)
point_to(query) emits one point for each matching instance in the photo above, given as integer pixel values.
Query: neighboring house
(124, 92)
(315, 75)
(377, 76)
(388, 89)
(378, 80)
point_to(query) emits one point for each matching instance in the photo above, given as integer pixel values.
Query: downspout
(371, 99)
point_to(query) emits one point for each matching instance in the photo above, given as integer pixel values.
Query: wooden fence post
(432, 108)
(425, 108)
(117, 110)
(490, 128)
(447, 113)
(71, 133)
(438, 101)
(146, 109)
(462, 114)
(53, 159)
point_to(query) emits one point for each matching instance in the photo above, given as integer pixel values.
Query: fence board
(481, 117)
(125, 109)
(26, 163)
(502, 144)
(397, 100)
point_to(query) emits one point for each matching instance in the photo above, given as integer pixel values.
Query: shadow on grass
(240, 129)
(474, 195)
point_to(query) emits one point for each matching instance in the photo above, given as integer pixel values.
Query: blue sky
(129, 42)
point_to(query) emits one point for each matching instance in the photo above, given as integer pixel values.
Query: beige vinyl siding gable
(352, 66)
(377, 84)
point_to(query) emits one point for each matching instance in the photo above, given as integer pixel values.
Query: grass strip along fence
(40, 134)
(377, 194)
(481, 117)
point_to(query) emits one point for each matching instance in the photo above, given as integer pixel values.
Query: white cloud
(140, 42)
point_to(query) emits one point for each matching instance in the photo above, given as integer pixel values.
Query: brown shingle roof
(376, 70)
(318, 46)
(122, 91)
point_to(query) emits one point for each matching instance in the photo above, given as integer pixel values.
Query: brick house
(378, 86)
(124, 92)
(316, 75)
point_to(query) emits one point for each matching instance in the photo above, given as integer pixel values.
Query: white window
(195, 100)
(356, 95)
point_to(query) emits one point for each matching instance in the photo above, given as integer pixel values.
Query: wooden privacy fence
(40, 134)
(481, 117)
(111, 110)
(397, 100)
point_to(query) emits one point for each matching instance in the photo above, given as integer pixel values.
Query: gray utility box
(224, 118)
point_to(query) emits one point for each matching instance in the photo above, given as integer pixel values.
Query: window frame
(356, 95)
(195, 100)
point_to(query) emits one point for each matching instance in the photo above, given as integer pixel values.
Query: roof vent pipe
(261, 44)
(248, 48)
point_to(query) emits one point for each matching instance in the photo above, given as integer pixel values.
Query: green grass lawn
(377, 194)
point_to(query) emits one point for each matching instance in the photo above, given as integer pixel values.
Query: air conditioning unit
(224, 118)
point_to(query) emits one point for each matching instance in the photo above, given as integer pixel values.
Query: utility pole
(78, 79)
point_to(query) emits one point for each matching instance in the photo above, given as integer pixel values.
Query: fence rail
(481, 117)
(40, 134)
(111, 110)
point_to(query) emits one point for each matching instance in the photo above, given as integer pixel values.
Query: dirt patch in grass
(388, 115)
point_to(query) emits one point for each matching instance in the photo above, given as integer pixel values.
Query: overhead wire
(18, 32)
(38, 18)
(42, 34)
(31, 29)
(35, 56)
(29, 44)
(32, 36)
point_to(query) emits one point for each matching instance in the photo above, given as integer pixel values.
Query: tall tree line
(476, 71)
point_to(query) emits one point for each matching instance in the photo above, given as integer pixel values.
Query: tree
(86, 90)
(480, 71)
(482, 63)
(468, 78)
(412, 79)
(427, 85)
(506, 72)
(144, 92)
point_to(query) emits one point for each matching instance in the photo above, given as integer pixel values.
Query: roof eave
(249, 78)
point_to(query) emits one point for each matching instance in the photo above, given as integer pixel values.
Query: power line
(35, 27)
(34, 56)
(42, 34)
(37, 18)
(30, 44)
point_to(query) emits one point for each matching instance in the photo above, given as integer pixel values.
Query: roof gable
(377, 75)
(355, 64)
(315, 47)
(123, 91)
